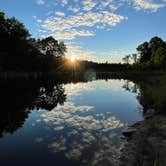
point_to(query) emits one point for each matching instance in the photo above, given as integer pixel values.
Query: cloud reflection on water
(78, 134)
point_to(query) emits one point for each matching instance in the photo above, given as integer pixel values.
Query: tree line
(19, 52)
(151, 55)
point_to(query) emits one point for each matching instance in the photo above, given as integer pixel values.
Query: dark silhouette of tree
(49, 96)
(21, 53)
(62, 49)
(144, 52)
(126, 59)
(50, 47)
(160, 56)
(153, 52)
(19, 98)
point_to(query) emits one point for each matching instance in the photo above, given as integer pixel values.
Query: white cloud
(65, 115)
(74, 129)
(78, 52)
(41, 31)
(74, 9)
(71, 34)
(73, 90)
(35, 17)
(84, 17)
(70, 107)
(75, 25)
(113, 7)
(67, 28)
(106, 3)
(61, 14)
(147, 5)
(88, 5)
(39, 21)
(40, 2)
(89, 129)
(89, 19)
(64, 3)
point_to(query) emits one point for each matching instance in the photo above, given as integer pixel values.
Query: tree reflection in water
(145, 147)
(19, 98)
(146, 143)
(151, 92)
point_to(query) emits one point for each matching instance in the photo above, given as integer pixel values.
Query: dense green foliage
(151, 56)
(152, 53)
(21, 53)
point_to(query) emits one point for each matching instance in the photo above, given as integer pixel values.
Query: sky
(97, 30)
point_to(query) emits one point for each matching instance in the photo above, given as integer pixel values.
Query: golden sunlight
(72, 59)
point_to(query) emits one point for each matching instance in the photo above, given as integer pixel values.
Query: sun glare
(72, 59)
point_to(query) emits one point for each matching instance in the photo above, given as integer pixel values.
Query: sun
(72, 59)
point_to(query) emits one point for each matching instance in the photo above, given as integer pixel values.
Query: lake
(77, 123)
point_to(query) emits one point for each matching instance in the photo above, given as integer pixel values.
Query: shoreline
(146, 142)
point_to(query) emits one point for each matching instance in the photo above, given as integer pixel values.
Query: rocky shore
(146, 142)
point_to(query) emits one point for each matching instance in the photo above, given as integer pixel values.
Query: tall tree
(153, 52)
(126, 59)
(20, 52)
(144, 51)
(49, 46)
(62, 49)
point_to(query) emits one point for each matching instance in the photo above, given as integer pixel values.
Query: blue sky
(98, 30)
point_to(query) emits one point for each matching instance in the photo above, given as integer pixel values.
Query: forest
(21, 53)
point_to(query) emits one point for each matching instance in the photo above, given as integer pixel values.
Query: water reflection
(49, 96)
(18, 99)
(79, 132)
(83, 134)
(69, 124)
(153, 94)
(130, 86)
(147, 145)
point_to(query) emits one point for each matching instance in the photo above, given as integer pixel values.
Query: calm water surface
(85, 129)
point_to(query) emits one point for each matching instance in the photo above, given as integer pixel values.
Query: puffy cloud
(89, 19)
(71, 34)
(57, 128)
(39, 21)
(105, 3)
(90, 14)
(64, 3)
(74, 9)
(68, 118)
(75, 129)
(88, 5)
(83, 16)
(40, 2)
(147, 5)
(83, 132)
(61, 14)
(73, 90)
(70, 107)
(35, 17)
(74, 153)
(113, 7)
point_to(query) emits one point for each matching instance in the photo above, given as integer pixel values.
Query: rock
(129, 132)
(149, 113)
